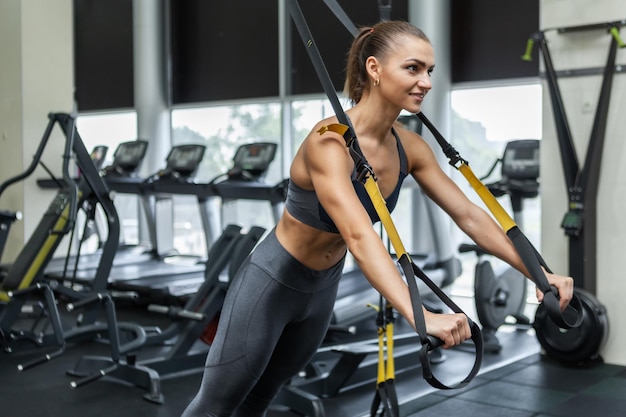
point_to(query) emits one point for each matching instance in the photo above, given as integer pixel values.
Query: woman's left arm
(472, 219)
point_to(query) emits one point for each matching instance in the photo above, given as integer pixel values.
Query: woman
(278, 308)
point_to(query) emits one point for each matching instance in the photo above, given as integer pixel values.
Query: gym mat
(535, 386)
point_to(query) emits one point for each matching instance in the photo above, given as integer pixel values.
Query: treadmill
(246, 179)
(243, 181)
(181, 165)
(127, 160)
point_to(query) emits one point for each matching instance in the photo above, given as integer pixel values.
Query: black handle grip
(434, 342)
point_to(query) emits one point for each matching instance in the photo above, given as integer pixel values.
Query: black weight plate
(579, 344)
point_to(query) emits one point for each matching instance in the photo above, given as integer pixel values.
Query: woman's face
(405, 73)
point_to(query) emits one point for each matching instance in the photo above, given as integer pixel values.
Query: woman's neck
(371, 121)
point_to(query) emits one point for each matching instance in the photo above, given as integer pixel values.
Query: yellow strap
(506, 222)
(380, 377)
(375, 195)
(335, 127)
(391, 368)
(383, 214)
(387, 372)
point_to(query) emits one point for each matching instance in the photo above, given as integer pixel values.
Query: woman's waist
(274, 258)
(317, 249)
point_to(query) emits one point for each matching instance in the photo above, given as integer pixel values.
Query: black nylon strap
(430, 342)
(387, 397)
(573, 314)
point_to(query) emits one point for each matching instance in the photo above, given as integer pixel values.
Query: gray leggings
(274, 318)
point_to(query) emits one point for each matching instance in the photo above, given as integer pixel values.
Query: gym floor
(517, 382)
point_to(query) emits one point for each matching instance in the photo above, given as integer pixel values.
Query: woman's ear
(373, 69)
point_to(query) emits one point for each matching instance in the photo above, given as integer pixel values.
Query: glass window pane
(222, 129)
(305, 114)
(483, 121)
(111, 129)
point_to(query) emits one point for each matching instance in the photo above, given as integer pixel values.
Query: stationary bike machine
(501, 293)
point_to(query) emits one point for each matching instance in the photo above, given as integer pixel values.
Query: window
(483, 121)
(488, 38)
(222, 129)
(305, 114)
(111, 129)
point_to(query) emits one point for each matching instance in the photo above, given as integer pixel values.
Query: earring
(377, 82)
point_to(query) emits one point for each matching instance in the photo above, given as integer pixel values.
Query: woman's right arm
(329, 167)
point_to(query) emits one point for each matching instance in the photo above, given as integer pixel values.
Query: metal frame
(579, 223)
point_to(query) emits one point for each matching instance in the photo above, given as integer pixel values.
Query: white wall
(588, 49)
(36, 77)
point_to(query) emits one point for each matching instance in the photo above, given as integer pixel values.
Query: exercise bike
(500, 293)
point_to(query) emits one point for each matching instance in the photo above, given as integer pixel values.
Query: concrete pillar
(153, 115)
(431, 228)
(433, 17)
(150, 81)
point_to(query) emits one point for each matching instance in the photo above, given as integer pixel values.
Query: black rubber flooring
(534, 386)
(518, 382)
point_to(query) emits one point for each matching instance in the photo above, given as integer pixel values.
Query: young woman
(278, 308)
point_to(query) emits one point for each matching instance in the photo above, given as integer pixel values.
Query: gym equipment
(579, 223)
(250, 162)
(7, 218)
(245, 180)
(127, 159)
(501, 294)
(181, 164)
(242, 181)
(178, 343)
(578, 345)
(23, 289)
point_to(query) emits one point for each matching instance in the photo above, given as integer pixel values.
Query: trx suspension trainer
(365, 175)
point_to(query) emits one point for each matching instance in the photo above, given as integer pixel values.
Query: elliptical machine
(501, 292)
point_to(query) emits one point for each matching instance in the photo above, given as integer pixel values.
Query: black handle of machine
(34, 162)
(68, 179)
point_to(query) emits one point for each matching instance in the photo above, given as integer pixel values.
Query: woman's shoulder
(407, 137)
(417, 150)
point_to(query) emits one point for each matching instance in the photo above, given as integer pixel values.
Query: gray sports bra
(304, 205)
